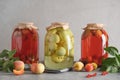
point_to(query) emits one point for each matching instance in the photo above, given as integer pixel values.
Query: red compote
(93, 41)
(25, 40)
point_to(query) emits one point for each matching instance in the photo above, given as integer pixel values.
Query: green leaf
(4, 53)
(110, 65)
(103, 68)
(1, 63)
(8, 70)
(7, 60)
(109, 61)
(111, 50)
(114, 69)
(15, 59)
(5, 66)
(108, 68)
(11, 53)
(117, 58)
(8, 66)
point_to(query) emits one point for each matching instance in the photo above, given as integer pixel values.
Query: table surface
(71, 75)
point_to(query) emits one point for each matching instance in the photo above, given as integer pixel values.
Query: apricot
(89, 67)
(61, 51)
(19, 65)
(18, 72)
(99, 33)
(78, 66)
(37, 68)
(94, 65)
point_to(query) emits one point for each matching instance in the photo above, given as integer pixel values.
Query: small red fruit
(89, 67)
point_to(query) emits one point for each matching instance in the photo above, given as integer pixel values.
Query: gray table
(61, 76)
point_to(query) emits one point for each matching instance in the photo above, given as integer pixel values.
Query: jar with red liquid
(93, 41)
(25, 40)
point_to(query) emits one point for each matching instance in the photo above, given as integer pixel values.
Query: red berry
(104, 73)
(91, 75)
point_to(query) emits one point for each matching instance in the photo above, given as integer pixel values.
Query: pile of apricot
(79, 66)
(36, 68)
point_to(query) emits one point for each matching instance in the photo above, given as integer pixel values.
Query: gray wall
(76, 12)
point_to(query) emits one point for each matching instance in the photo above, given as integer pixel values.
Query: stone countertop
(71, 75)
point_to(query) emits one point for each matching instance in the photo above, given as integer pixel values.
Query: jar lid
(58, 24)
(94, 26)
(26, 25)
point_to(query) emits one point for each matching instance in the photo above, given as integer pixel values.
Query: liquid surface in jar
(59, 49)
(92, 46)
(25, 42)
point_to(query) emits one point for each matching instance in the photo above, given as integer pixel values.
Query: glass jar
(93, 41)
(25, 40)
(59, 47)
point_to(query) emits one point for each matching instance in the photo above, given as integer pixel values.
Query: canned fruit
(52, 46)
(63, 35)
(89, 59)
(99, 33)
(57, 59)
(59, 44)
(86, 34)
(78, 66)
(52, 31)
(61, 51)
(71, 54)
(70, 32)
(54, 38)
(48, 53)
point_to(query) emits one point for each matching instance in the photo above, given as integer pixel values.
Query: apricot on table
(18, 72)
(37, 68)
(78, 66)
(89, 67)
(94, 65)
(19, 65)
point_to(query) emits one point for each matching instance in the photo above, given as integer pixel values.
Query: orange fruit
(78, 66)
(89, 67)
(18, 72)
(37, 68)
(94, 65)
(18, 65)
